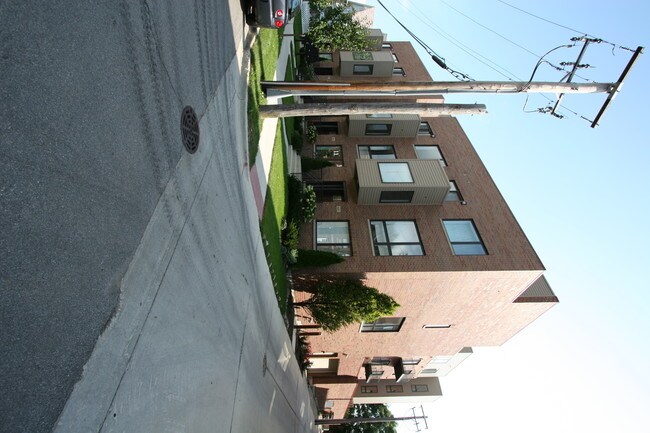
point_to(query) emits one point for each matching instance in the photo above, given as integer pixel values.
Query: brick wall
(507, 246)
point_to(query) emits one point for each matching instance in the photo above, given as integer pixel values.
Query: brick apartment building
(416, 214)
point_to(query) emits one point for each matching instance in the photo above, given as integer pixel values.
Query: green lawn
(264, 57)
(275, 208)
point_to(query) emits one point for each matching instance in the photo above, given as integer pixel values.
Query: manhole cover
(190, 129)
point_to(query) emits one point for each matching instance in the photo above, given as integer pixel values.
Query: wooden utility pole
(339, 421)
(282, 89)
(325, 109)
(424, 88)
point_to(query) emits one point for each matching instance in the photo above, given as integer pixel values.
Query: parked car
(273, 14)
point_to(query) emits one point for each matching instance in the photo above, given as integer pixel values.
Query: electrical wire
(508, 74)
(461, 76)
(564, 27)
(440, 61)
(505, 38)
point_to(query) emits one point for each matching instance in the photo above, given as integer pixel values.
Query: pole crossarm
(325, 109)
(617, 85)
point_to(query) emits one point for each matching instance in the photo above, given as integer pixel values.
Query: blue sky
(580, 194)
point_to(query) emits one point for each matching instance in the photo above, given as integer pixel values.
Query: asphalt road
(90, 101)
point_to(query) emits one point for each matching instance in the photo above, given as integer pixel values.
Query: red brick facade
(474, 297)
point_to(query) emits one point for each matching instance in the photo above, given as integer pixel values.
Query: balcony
(376, 367)
(384, 125)
(401, 181)
(373, 372)
(366, 64)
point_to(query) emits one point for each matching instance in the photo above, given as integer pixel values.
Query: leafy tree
(337, 29)
(367, 411)
(319, 5)
(339, 303)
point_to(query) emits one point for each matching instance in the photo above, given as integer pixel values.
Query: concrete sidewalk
(198, 343)
(262, 167)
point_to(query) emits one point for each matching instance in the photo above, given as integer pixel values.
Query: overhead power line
(440, 61)
(563, 26)
(472, 53)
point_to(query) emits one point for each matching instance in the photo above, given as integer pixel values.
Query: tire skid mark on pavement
(199, 45)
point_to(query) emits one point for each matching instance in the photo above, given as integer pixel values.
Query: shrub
(314, 259)
(303, 350)
(312, 134)
(307, 72)
(309, 164)
(308, 204)
(290, 235)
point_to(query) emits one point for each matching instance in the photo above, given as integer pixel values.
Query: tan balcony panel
(409, 181)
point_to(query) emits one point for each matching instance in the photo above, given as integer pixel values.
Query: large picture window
(376, 152)
(383, 324)
(333, 153)
(396, 196)
(464, 238)
(378, 129)
(333, 236)
(425, 129)
(395, 172)
(396, 238)
(361, 55)
(453, 194)
(430, 152)
(362, 69)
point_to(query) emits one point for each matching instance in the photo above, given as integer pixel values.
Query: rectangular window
(464, 238)
(396, 196)
(362, 69)
(399, 72)
(386, 45)
(333, 236)
(378, 128)
(332, 153)
(411, 361)
(379, 116)
(395, 58)
(323, 71)
(395, 172)
(325, 57)
(419, 388)
(369, 389)
(391, 389)
(361, 55)
(326, 127)
(430, 152)
(329, 191)
(396, 238)
(425, 129)
(376, 152)
(453, 194)
(383, 324)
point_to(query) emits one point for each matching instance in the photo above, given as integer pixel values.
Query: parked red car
(270, 13)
